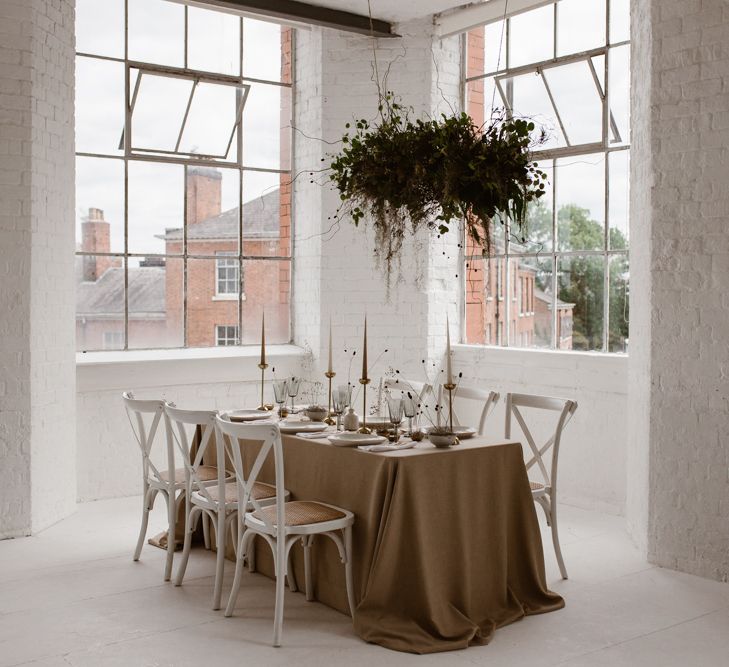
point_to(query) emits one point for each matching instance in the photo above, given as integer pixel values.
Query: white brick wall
(680, 220)
(37, 435)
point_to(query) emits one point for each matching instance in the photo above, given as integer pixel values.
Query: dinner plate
(463, 432)
(249, 415)
(355, 439)
(301, 426)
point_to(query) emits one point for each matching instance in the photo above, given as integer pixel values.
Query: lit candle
(449, 370)
(364, 352)
(330, 346)
(263, 338)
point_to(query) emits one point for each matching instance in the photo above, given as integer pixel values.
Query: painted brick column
(37, 348)
(678, 499)
(335, 273)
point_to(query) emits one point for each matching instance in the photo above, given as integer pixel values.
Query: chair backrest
(565, 407)
(145, 435)
(179, 424)
(420, 390)
(269, 435)
(489, 399)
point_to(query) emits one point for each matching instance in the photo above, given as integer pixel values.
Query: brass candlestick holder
(449, 388)
(329, 420)
(263, 368)
(363, 429)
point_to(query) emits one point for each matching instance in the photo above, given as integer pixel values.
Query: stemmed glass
(280, 391)
(293, 390)
(395, 408)
(340, 400)
(410, 408)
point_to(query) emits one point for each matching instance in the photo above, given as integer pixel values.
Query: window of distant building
(183, 139)
(227, 269)
(565, 65)
(226, 335)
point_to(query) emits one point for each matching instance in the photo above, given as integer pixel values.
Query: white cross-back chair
(489, 399)
(170, 482)
(203, 496)
(282, 523)
(544, 492)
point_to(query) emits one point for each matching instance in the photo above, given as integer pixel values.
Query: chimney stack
(203, 192)
(95, 238)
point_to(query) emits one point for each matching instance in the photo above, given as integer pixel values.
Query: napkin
(387, 448)
(309, 434)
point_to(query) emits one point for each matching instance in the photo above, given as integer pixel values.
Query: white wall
(680, 47)
(593, 454)
(37, 375)
(109, 460)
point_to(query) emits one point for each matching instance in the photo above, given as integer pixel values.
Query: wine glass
(340, 400)
(293, 390)
(410, 409)
(395, 408)
(280, 392)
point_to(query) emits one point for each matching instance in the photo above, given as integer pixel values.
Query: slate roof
(260, 220)
(106, 295)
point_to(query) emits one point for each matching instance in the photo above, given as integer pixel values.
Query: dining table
(447, 546)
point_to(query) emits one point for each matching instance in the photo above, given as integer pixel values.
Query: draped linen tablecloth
(447, 546)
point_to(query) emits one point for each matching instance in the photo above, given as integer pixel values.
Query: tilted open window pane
(186, 116)
(577, 98)
(527, 96)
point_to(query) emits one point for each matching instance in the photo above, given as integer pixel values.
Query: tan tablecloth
(446, 542)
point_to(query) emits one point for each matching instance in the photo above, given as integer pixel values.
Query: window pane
(619, 304)
(495, 46)
(578, 101)
(580, 25)
(155, 207)
(267, 127)
(581, 289)
(155, 303)
(211, 120)
(619, 163)
(158, 111)
(99, 105)
(100, 27)
(528, 97)
(531, 304)
(266, 214)
(580, 185)
(477, 329)
(206, 308)
(537, 233)
(619, 92)
(619, 21)
(157, 32)
(267, 283)
(262, 56)
(482, 99)
(213, 41)
(531, 36)
(99, 302)
(99, 205)
(213, 223)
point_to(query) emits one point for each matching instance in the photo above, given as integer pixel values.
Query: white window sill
(137, 369)
(228, 297)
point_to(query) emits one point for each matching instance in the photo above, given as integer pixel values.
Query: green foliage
(406, 174)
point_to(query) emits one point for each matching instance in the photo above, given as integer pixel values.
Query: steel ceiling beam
(301, 12)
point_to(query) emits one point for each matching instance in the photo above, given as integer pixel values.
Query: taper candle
(364, 352)
(449, 370)
(263, 338)
(330, 369)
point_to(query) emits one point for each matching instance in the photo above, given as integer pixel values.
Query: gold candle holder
(449, 387)
(363, 429)
(330, 419)
(263, 368)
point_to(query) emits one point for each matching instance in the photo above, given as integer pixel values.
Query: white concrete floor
(73, 596)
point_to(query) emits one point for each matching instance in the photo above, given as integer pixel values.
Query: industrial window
(565, 65)
(183, 139)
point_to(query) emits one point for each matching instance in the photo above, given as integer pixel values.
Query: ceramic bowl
(443, 440)
(316, 414)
